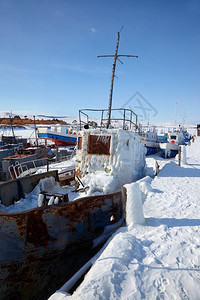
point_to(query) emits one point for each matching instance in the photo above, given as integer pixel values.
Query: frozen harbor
(160, 258)
(156, 255)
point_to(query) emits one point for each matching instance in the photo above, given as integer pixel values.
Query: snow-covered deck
(160, 259)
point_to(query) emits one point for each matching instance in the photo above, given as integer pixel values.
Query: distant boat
(162, 137)
(61, 135)
(187, 136)
(8, 140)
(170, 148)
(150, 141)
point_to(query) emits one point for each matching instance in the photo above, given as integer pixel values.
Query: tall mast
(116, 57)
(36, 138)
(12, 127)
(176, 114)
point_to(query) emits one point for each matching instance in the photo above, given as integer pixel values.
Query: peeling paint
(31, 241)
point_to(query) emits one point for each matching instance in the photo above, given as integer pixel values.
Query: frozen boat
(150, 141)
(61, 135)
(170, 148)
(187, 136)
(8, 140)
(25, 159)
(12, 139)
(116, 155)
(41, 247)
(7, 150)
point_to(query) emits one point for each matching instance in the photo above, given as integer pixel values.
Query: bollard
(183, 155)
(156, 168)
(133, 204)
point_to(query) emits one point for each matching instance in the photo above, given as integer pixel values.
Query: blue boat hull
(59, 139)
(151, 150)
(172, 153)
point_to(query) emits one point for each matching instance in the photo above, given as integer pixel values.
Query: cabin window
(99, 144)
(79, 143)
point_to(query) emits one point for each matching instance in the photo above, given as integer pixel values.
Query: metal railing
(26, 168)
(126, 118)
(31, 166)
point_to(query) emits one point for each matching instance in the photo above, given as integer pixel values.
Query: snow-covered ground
(161, 258)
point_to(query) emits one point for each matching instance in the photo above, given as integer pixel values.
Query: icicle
(40, 200)
(51, 200)
(56, 201)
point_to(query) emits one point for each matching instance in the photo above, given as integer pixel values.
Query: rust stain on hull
(34, 242)
(99, 144)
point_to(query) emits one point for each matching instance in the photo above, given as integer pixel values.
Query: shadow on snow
(172, 222)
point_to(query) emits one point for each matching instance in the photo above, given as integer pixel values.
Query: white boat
(150, 141)
(61, 135)
(170, 148)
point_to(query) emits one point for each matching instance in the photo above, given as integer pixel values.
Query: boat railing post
(131, 120)
(179, 155)
(101, 119)
(124, 119)
(80, 119)
(47, 165)
(166, 150)
(14, 168)
(136, 120)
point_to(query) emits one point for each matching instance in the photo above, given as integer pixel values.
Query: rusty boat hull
(43, 247)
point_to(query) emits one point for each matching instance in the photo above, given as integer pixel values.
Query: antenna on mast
(184, 118)
(176, 114)
(121, 28)
(116, 57)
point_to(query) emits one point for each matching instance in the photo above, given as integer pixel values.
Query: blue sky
(49, 64)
